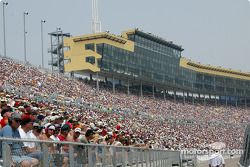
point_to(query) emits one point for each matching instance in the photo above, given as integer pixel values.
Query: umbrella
(217, 145)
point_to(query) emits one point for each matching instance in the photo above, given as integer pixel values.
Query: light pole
(24, 33)
(42, 21)
(4, 37)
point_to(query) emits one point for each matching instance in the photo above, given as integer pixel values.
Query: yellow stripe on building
(185, 63)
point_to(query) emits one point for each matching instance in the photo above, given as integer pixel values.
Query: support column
(215, 98)
(141, 89)
(113, 83)
(245, 102)
(164, 94)
(236, 101)
(128, 88)
(97, 82)
(153, 90)
(174, 96)
(90, 77)
(184, 97)
(204, 100)
(72, 74)
(220, 100)
(226, 100)
(192, 98)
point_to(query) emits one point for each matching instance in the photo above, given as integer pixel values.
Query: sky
(215, 32)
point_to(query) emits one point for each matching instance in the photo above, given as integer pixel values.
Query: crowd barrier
(72, 154)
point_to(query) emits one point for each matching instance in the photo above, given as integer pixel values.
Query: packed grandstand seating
(165, 124)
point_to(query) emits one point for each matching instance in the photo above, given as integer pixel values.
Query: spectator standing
(216, 160)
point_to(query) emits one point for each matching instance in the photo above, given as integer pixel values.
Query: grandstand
(169, 124)
(147, 62)
(138, 82)
(143, 121)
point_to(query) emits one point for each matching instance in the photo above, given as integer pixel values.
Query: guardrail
(72, 154)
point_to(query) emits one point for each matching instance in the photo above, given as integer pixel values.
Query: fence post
(123, 157)
(103, 156)
(150, 157)
(146, 157)
(45, 161)
(90, 158)
(113, 154)
(153, 158)
(141, 156)
(137, 156)
(71, 156)
(5, 152)
(160, 158)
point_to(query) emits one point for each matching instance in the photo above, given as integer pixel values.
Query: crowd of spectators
(67, 109)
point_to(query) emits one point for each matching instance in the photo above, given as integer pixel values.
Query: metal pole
(57, 52)
(52, 58)
(24, 33)
(42, 21)
(4, 36)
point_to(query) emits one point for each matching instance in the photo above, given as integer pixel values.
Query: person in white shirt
(24, 130)
(216, 160)
(25, 133)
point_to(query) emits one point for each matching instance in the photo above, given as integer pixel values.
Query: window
(99, 63)
(66, 48)
(90, 46)
(66, 61)
(90, 59)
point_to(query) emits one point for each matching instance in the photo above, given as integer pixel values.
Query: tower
(96, 23)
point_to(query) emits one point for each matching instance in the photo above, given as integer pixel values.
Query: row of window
(158, 47)
(148, 64)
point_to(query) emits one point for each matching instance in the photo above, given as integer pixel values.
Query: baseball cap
(36, 124)
(78, 130)
(65, 127)
(51, 127)
(16, 115)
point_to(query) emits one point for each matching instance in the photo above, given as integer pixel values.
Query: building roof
(153, 37)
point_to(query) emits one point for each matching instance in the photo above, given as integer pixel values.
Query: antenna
(96, 23)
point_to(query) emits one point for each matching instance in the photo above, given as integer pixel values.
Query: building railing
(73, 154)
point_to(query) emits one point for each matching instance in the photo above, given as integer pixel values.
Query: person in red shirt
(6, 113)
(65, 129)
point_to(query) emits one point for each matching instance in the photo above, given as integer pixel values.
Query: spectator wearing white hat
(75, 136)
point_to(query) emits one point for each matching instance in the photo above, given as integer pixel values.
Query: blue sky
(215, 32)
